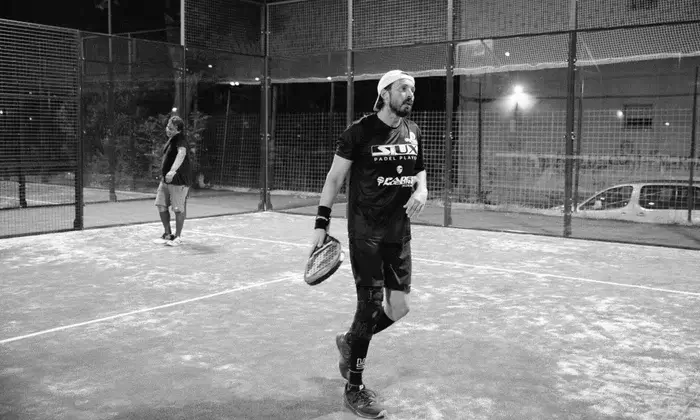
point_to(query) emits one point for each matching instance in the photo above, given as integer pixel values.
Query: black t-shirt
(382, 177)
(184, 172)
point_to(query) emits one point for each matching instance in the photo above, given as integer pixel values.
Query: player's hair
(380, 104)
(178, 123)
(380, 99)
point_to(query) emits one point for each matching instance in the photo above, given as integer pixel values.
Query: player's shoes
(164, 239)
(344, 349)
(176, 241)
(363, 402)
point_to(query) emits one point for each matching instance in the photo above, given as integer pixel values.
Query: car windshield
(612, 198)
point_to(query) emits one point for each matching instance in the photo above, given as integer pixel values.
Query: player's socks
(383, 322)
(358, 353)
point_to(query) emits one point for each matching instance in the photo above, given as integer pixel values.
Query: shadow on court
(104, 324)
(326, 405)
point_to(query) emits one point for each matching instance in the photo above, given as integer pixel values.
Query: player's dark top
(184, 172)
(382, 176)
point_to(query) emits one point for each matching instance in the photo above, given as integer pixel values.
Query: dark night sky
(148, 15)
(128, 15)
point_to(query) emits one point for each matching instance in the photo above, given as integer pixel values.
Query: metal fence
(527, 108)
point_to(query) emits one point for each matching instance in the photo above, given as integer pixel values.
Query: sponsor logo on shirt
(399, 181)
(389, 152)
(411, 139)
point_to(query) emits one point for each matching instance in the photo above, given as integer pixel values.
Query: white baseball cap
(389, 78)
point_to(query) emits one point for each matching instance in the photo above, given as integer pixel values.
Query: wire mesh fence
(39, 110)
(526, 107)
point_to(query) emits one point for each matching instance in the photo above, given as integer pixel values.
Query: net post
(693, 135)
(79, 221)
(570, 110)
(449, 108)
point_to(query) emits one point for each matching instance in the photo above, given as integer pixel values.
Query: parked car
(646, 201)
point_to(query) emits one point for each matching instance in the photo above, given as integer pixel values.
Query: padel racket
(324, 261)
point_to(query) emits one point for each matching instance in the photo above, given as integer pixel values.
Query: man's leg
(369, 306)
(366, 265)
(179, 195)
(397, 279)
(162, 202)
(165, 218)
(180, 217)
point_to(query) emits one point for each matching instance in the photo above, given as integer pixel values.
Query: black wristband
(323, 217)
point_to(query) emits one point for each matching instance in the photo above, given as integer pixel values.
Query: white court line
(581, 279)
(139, 311)
(483, 267)
(34, 201)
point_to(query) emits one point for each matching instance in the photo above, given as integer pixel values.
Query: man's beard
(398, 110)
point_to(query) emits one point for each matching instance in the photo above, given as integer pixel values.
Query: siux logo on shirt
(389, 152)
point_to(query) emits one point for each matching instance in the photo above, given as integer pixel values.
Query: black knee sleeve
(369, 307)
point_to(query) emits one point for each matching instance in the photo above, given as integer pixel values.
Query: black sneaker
(363, 402)
(167, 237)
(344, 349)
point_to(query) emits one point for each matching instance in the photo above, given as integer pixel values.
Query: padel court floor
(104, 324)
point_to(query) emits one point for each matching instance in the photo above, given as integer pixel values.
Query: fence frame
(79, 222)
(570, 137)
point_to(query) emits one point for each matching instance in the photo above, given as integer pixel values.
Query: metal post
(331, 115)
(21, 179)
(184, 111)
(350, 106)
(109, 24)
(130, 48)
(272, 137)
(691, 189)
(182, 22)
(184, 105)
(111, 141)
(449, 107)
(569, 136)
(265, 203)
(223, 150)
(579, 129)
(79, 221)
(480, 146)
(350, 111)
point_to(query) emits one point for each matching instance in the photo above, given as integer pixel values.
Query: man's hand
(416, 203)
(169, 176)
(317, 240)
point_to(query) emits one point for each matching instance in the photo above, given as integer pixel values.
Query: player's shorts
(380, 264)
(172, 195)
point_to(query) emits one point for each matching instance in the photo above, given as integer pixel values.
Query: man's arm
(334, 180)
(422, 181)
(181, 153)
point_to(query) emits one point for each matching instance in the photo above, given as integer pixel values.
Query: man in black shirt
(175, 183)
(384, 154)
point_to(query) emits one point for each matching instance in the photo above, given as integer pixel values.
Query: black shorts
(380, 264)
